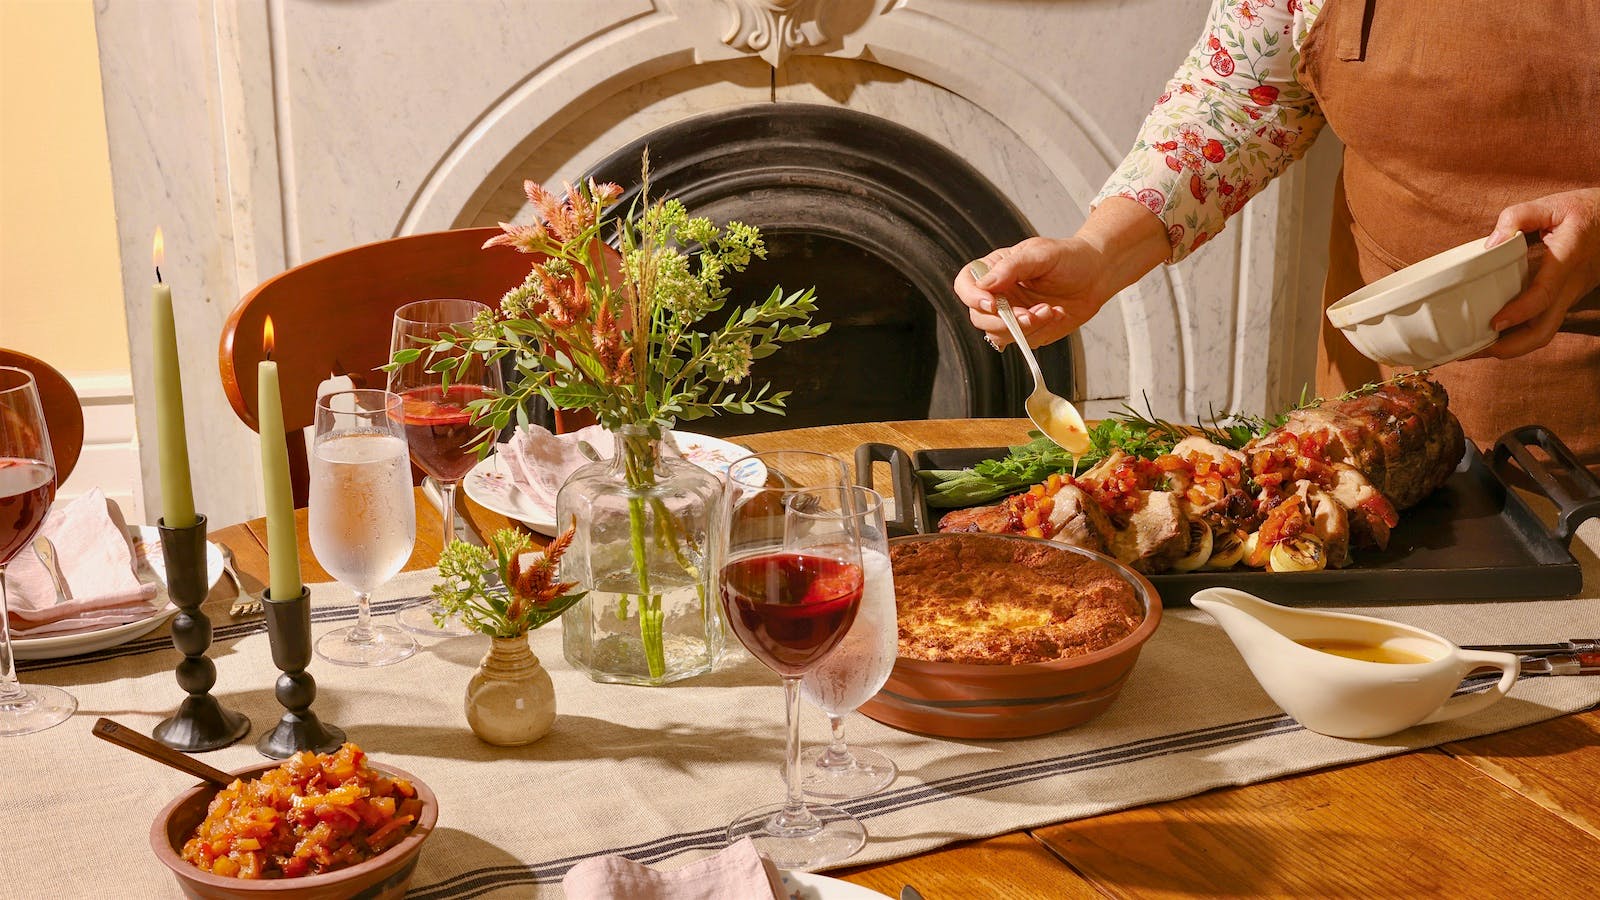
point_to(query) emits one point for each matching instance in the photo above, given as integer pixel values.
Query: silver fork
(246, 603)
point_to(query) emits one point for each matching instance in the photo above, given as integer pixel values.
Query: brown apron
(1449, 113)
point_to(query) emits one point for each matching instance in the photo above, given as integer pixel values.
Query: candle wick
(158, 274)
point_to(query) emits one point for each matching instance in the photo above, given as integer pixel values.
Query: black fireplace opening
(876, 217)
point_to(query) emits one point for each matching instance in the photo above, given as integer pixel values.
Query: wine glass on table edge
(439, 427)
(27, 488)
(363, 516)
(790, 582)
(857, 669)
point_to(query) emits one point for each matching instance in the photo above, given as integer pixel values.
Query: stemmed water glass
(363, 515)
(857, 670)
(790, 581)
(438, 424)
(27, 488)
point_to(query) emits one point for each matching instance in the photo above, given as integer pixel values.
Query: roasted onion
(1200, 544)
(1227, 549)
(1256, 551)
(1302, 553)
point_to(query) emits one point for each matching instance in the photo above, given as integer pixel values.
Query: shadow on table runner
(477, 881)
(480, 881)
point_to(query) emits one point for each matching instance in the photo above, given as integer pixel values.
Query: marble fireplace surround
(264, 133)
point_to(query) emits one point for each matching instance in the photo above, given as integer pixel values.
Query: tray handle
(908, 504)
(1577, 498)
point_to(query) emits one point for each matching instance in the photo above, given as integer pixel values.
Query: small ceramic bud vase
(510, 700)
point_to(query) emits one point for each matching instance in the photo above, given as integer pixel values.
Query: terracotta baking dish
(964, 700)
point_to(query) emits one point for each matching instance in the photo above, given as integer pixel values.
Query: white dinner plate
(811, 886)
(149, 565)
(489, 483)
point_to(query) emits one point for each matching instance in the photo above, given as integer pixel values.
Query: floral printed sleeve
(1231, 119)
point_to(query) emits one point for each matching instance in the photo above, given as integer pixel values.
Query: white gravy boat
(1352, 698)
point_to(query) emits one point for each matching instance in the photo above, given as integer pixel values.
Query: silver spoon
(1051, 413)
(46, 552)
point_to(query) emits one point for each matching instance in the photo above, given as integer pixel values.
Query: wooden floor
(1510, 815)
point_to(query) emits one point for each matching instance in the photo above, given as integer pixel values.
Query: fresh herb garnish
(1137, 434)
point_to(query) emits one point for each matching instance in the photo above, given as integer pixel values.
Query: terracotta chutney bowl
(971, 700)
(382, 877)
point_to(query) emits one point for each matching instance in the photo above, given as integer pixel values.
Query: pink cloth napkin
(540, 462)
(737, 873)
(97, 561)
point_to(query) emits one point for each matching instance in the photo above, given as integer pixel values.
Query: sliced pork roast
(1156, 535)
(1401, 436)
(990, 519)
(1300, 496)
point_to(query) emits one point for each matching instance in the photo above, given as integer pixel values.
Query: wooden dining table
(1512, 814)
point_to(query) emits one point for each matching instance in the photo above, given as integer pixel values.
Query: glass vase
(643, 522)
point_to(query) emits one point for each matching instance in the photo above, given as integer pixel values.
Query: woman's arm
(1231, 118)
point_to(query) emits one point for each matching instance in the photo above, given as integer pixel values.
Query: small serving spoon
(128, 739)
(1051, 413)
(46, 552)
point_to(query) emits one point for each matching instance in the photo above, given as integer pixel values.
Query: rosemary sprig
(1366, 389)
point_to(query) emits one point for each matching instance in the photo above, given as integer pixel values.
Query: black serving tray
(1473, 539)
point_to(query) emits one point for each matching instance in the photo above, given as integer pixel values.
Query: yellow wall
(60, 281)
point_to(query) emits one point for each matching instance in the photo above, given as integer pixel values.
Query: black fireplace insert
(878, 218)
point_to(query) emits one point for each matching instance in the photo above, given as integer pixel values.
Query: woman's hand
(1568, 269)
(1057, 284)
(1052, 285)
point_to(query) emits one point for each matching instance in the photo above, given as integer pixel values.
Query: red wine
(439, 428)
(27, 488)
(791, 609)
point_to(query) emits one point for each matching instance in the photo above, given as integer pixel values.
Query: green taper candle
(172, 443)
(283, 543)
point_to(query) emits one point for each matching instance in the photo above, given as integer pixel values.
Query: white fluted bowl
(1437, 310)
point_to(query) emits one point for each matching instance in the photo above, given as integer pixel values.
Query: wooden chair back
(63, 412)
(334, 315)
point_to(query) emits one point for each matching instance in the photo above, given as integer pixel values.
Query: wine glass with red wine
(790, 580)
(439, 428)
(27, 488)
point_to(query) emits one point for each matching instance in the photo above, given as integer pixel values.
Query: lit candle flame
(267, 342)
(158, 252)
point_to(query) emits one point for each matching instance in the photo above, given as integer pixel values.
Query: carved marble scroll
(773, 29)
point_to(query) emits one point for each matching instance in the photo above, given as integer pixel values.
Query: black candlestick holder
(201, 722)
(289, 631)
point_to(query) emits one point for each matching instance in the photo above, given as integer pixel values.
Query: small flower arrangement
(624, 333)
(618, 334)
(525, 596)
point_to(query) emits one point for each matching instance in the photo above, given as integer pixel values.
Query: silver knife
(1561, 664)
(1575, 645)
(909, 893)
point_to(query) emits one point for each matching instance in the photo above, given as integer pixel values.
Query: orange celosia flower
(536, 586)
